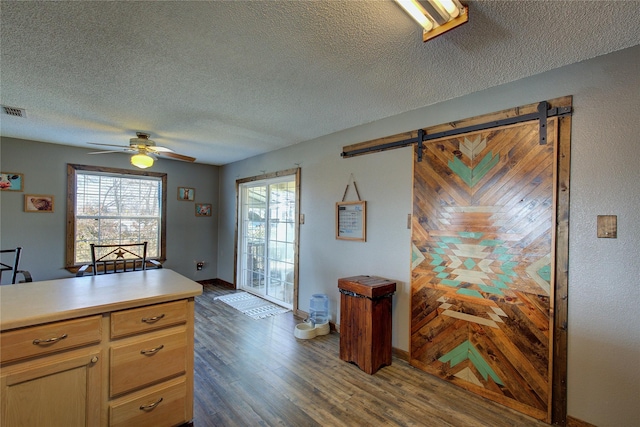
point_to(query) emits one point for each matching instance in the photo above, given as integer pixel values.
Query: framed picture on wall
(38, 203)
(203, 209)
(351, 221)
(11, 181)
(186, 194)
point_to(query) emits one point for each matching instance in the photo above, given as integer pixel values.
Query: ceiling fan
(145, 151)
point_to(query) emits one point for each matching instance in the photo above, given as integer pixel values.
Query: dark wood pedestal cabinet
(365, 321)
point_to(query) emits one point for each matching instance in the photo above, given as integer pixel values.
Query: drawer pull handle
(150, 406)
(153, 350)
(152, 319)
(49, 340)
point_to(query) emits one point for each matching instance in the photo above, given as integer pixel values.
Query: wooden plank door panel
(482, 240)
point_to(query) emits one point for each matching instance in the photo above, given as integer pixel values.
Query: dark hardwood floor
(256, 373)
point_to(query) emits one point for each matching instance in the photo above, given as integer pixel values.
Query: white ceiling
(225, 80)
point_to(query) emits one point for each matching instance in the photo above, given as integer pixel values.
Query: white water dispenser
(319, 309)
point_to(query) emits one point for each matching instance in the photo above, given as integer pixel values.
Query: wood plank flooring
(256, 373)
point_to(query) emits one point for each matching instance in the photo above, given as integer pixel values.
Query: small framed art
(186, 194)
(38, 203)
(203, 209)
(11, 181)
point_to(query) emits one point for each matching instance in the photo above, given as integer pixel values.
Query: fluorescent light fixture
(417, 12)
(141, 161)
(452, 7)
(436, 16)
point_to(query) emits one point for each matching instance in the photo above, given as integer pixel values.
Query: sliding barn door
(483, 239)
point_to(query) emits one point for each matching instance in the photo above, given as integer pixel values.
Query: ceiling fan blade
(109, 151)
(176, 156)
(143, 145)
(108, 145)
(160, 149)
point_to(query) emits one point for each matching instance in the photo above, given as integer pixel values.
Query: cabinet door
(60, 390)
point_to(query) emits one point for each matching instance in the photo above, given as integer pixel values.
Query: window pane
(117, 209)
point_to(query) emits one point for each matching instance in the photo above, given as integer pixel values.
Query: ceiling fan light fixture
(145, 151)
(142, 161)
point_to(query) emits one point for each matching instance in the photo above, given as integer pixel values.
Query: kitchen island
(109, 350)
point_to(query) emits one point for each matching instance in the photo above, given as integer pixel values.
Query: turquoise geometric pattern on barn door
(481, 254)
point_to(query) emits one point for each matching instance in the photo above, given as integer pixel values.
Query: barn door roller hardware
(542, 114)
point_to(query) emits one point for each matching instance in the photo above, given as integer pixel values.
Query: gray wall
(42, 235)
(604, 295)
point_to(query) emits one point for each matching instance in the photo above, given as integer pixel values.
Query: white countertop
(28, 304)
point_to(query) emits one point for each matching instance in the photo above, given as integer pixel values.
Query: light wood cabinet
(151, 369)
(164, 404)
(126, 362)
(56, 390)
(50, 338)
(143, 362)
(149, 318)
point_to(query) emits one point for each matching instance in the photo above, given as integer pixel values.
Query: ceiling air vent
(14, 111)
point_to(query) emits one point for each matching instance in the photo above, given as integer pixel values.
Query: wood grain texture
(149, 318)
(61, 389)
(78, 373)
(423, 311)
(561, 274)
(54, 337)
(375, 145)
(171, 406)
(483, 225)
(255, 372)
(365, 326)
(147, 359)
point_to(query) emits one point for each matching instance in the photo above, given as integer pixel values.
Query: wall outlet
(199, 265)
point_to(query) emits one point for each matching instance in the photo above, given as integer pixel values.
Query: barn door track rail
(543, 111)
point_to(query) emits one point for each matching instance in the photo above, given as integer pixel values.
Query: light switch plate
(608, 226)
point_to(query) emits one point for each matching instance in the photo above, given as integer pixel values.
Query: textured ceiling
(227, 80)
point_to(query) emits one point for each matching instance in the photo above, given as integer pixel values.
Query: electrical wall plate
(608, 226)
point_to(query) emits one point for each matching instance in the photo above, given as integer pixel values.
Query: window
(112, 206)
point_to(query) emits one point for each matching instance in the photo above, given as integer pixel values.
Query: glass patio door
(267, 229)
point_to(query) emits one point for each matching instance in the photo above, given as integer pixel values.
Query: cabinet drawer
(138, 320)
(49, 338)
(147, 361)
(165, 404)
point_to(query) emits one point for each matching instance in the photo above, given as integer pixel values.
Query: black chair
(14, 266)
(106, 259)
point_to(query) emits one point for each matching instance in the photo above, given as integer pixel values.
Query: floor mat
(251, 305)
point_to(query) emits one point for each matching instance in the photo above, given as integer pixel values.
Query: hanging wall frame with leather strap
(351, 217)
